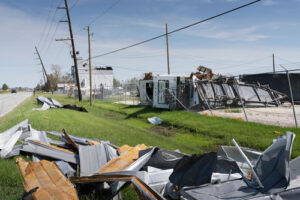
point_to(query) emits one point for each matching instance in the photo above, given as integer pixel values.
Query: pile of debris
(51, 103)
(102, 167)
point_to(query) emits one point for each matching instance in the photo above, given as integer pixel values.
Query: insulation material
(47, 179)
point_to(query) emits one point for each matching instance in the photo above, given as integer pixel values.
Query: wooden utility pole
(73, 47)
(273, 63)
(44, 70)
(90, 65)
(167, 41)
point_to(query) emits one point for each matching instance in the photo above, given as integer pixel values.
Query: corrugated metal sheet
(92, 158)
(43, 149)
(65, 168)
(45, 175)
(10, 137)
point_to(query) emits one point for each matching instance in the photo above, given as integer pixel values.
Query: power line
(176, 30)
(246, 63)
(106, 11)
(101, 15)
(57, 25)
(47, 21)
(51, 24)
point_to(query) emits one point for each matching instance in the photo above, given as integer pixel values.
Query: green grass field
(122, 124)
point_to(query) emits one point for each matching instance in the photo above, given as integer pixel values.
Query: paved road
(9, 101)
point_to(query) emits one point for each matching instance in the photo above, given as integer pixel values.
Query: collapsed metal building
(204, 90)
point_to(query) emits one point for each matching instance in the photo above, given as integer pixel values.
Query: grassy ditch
(123, 124)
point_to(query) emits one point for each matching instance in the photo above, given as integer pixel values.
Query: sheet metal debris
(155, 173)
(92, 158)
(70, 141)
(155, 120)
(46, 180)
(10, 137)
(39, 148)
(51, 103)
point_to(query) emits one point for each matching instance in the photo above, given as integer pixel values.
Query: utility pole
(44, 70)
(273, 63)
(73, 47)
(167, 41)
(90, 65)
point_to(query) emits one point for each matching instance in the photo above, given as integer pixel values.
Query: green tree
(116, 83)
(4, 86)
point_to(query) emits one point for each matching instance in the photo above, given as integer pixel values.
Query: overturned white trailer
(202, 91)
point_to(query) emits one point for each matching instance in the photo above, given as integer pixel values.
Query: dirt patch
(112, 116)
(163, 131)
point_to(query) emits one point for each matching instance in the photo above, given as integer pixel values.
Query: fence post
(242, 103)
(292, 97)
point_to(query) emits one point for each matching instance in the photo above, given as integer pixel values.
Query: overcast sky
(240, 42)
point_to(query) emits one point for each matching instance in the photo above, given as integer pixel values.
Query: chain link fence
(125, 94)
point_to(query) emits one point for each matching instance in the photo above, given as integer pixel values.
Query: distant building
(65, 87)
(101, 77)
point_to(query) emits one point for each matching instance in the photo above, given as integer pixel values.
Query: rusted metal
(127, 156)
(47, 178)
(70, 140)
(91, 142)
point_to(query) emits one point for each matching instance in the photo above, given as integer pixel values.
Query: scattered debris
(46, 180)
(10, 137)
(155, 173)
(155, 120)
(51, 103)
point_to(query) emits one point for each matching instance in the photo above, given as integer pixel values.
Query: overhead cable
(176, 30)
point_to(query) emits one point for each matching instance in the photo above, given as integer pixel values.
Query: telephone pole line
(44, 70)
(90, 65)
(167, 42)
(73, 47)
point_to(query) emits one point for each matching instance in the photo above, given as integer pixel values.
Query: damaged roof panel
(43, 149)
(47, 179)
(92, 158)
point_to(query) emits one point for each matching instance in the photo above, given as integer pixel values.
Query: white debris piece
(9, 145)
(44, 107)
(155, 120)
